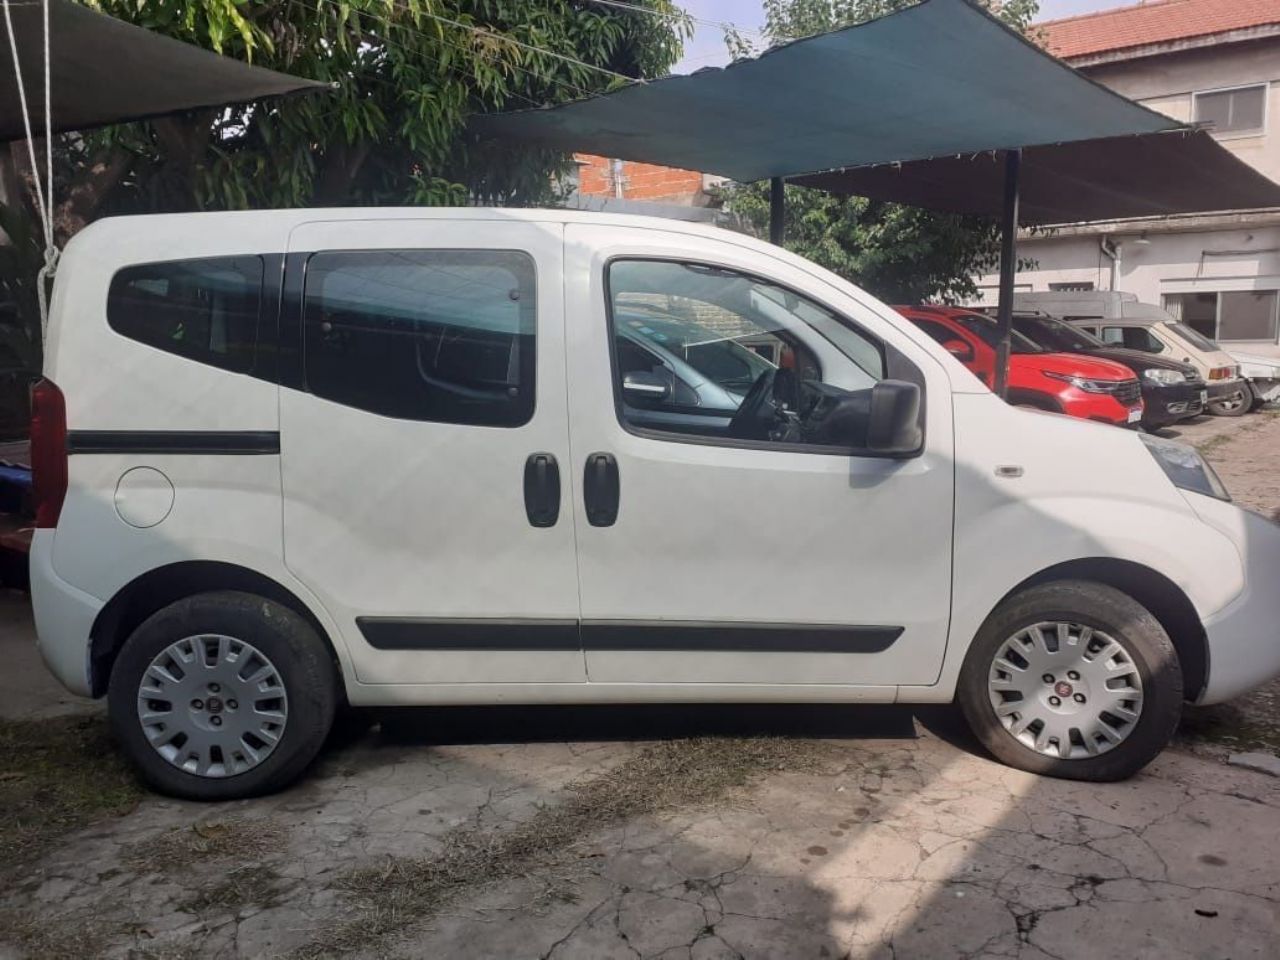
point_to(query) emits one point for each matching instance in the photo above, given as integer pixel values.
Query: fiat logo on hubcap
(1063, 689)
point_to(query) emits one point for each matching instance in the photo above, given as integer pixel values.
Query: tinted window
(442, 335)
(1135, 338)
(985, 329)
(205, 310)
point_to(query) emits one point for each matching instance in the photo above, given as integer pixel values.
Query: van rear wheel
(1072, 679)
(222, 695)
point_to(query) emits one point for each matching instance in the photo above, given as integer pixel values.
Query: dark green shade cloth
(937, 79)
(106, 71)
(1154, 175)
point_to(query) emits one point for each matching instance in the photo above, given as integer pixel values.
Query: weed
(662, 777)
(255, 885)
(211, 840)
(57, 775)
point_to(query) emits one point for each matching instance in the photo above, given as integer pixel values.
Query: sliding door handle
(542, 489)
(601, 489)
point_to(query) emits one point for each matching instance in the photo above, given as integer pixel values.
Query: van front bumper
(64, 618)
(1244, 636)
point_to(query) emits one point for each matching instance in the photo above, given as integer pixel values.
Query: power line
(543, 77)
(681, 15)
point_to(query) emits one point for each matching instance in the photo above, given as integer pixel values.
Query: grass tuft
(659, 778)
(57, 775)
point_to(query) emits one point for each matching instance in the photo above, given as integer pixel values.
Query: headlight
(1185, 468)
(1083, 383)
(1164, 376)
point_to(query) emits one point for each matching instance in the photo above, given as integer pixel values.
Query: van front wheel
(222, 695)
(1072, 679)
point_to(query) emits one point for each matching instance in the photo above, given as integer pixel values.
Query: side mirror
(959, 349)
(645, 386)
(893, 427)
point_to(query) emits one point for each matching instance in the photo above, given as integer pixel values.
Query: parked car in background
(1171, 391)
(1121, 319)
(1079, 386)
(1262, 374)
(390, 457)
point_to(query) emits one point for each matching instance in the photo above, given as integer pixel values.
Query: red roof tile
(1157, 22)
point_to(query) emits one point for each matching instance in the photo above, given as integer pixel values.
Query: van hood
(1077, 365)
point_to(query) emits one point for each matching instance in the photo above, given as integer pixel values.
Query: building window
(1075, 286)
(1239, 111)
(1229, 315)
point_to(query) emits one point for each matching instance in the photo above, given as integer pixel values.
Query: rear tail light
(48, 452)
(1223, 373)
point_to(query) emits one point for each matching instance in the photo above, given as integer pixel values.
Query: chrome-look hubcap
(1065, 690)
(212, 705)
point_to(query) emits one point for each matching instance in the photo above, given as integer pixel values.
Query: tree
(901, 254)
(408, 74)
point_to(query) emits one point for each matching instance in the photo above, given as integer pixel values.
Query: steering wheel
(756, 413)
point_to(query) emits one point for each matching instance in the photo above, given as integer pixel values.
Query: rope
(44, 195)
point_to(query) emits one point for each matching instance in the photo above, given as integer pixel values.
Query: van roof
(285, 219)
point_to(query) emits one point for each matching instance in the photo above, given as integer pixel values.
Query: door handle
(542, 489)
(601, 489)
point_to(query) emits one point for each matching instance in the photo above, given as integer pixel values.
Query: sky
(706, 48)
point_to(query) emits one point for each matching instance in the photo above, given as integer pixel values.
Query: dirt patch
(210, 840)
(32, 931)
(56, 775)
(663, 777)
(256, 885)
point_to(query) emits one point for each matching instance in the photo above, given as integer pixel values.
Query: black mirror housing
(893, 428)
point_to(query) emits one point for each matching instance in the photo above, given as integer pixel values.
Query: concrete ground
(657, 832)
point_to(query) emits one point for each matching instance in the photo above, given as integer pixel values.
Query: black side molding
(409, 633)
(736, 637)
(215, 442)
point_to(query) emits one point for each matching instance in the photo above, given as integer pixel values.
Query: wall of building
(1168, 265)
(602, 177)
(1166, 83)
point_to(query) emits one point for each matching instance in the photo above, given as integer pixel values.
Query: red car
(1078, 386)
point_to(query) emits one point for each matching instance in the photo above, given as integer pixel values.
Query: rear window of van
(205, 310)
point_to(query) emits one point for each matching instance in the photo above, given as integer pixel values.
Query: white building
(1207, 61)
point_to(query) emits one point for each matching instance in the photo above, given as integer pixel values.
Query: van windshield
(985, 329)
(1195, 337)
(1055, 335)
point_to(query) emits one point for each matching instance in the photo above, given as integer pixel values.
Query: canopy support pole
(777, 211)
(1008, 268)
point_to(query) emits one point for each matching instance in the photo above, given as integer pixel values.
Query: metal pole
(777, 212)
(1008, 267)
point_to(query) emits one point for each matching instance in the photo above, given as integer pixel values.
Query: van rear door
(424, 437)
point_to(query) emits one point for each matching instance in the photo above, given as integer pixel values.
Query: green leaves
(409, 74)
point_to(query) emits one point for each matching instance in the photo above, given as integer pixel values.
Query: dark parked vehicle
(1171, 390)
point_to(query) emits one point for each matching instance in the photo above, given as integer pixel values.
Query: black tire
(1102, 608)
(300, 657)
(1236, 408)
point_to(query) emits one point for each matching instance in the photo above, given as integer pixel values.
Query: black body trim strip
(744, 637)
(216, 442)
(395, 633)
(408, 633)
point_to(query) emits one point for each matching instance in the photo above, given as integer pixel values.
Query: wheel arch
(1167, 602)
(157, 588)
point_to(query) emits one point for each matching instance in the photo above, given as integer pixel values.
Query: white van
(287, 459)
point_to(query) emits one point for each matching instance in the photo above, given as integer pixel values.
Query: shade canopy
(105, 71)
(1157, 174)
(938, 79)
